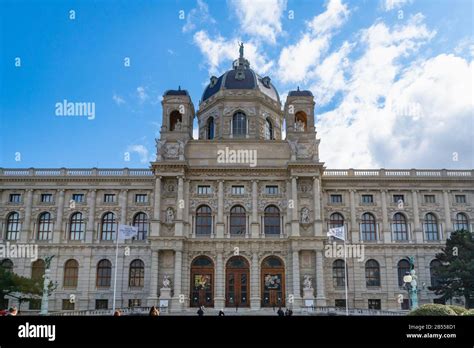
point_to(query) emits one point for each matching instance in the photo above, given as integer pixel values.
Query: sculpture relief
(166, 281)
(169, 215)
(304, 216)
(307, 283)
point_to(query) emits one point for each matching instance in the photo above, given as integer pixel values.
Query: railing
(108, 312)
(423, 173)
(352, 311)
(75, 172)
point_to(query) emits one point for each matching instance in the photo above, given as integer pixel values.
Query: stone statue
(299, 126)
(307, 284)
(178, 125)
(241, 50)
(160, 148)
(169, 215)
(304, 218)
(166, 281)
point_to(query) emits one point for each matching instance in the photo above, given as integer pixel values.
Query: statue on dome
(241, 50)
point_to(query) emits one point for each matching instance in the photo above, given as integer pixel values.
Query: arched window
(136, 276)
(45, 226)
(272, 220)
(368, 227)
(104, 274)
(301, 121)
(203, 220)
(71, 273)
(269, 130)
(338, 273)
(399, 227)
(175, 120)
(403, 269)
(238, 221)
(431, 227)
(202, 282)
(76, 227)
(37, 270)
(336, 220)
(272, 282)
(461, 223)
(108, 226)
(13, 226)
(210, 128)
(7, 265)
(434, 265)
(372, 273)
(239, 124)
(140, 220)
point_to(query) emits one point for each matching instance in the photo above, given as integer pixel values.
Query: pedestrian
(290, 312)
(221, 313)
(280, 312)
(154, 312)
(200, 312)
(12, 312)
(287, 312)
(236, 307)
(117, 313)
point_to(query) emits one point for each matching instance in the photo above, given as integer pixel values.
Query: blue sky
(392, 79)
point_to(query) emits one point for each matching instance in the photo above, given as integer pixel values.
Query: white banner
(337, 232)
(127, 232)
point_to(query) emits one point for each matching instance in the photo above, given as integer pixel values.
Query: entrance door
(273, 282)
(237, 282)
(202, 282)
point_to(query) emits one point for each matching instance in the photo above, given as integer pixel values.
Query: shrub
(458, 309)
(433, 310)
(469, 312)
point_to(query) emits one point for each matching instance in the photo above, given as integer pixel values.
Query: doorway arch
(273, 282)
(202, 282)
(237, 276)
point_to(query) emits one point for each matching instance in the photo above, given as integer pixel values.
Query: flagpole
(345, 275)
(115, 271)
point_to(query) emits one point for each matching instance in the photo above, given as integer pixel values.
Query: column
(123, 207)
(386, 231)
(289, 208)
(156, 221)
(417, 231)
(178, 226)
(254, 222)
(219, 300)
(296, 278)
(177, 306)
(91, 197)
(59, 218)
(220, 210)
(354, 225)
(320, 290)
(255, 283)
(318, 224)
(295, 224)
(26, 227)
(153, 296)
(447, 215)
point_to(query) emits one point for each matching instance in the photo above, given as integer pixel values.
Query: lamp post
(411, 284)
(45, 298)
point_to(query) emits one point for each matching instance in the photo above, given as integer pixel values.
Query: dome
(241, 77)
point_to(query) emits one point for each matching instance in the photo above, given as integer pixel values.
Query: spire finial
(179, 87)
(298, 88)
(241, 50)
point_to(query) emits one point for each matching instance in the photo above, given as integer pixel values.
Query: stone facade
(188, 175)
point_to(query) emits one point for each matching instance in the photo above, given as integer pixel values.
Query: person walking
(221, 313)
(200, 312)
(154, 312)
(280, 312)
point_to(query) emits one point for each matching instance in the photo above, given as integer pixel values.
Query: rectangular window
(204, 190)
(46, 198)
(15, 198)
(340, 303)
(141, 198)
(134, 302)
(68, 305)
(461, 199)
(336, 199)
(375, 304)
(78, 197)
(398, 198)
(430, 199)
(367, 199)
(109, 198)
(271, 190)
(101, 304)
(238, 190)
(34, 304)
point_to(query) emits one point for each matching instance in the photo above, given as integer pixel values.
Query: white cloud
(296, 60)
(142, 152)
(389, 5)
(395, 114)
(118, 99)
(260, 18)
(142, 94)
(199, 15)
(218, 50)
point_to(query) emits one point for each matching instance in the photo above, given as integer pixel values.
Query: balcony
(399, 173)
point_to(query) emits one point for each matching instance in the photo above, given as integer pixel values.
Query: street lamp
(411, 285)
